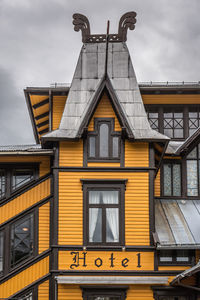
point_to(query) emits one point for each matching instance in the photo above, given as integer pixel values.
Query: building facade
(105, 205)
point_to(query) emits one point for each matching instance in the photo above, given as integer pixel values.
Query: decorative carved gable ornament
(81, 22)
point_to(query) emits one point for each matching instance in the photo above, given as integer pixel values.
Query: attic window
(104, 142)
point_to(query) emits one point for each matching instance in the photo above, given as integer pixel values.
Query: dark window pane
(115, 147)
(166, 256)
(112, 225)
(167, 180)
(1, 250)
(92, 150)
(192, 178)
(95, 225)
(21, 177)
(182, 256)
(176, 179)
(2, 183)
(21, 240)
(28, 296)
(103, 151)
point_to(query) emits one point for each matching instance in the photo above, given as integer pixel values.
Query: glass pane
(178, 133)
(110, 197)
(193, 114)
(153, 115)
(103, 197)
(168, 132)
(176, 180)
(103, 147)
(168, 115)
(1, 250)
(166, 256)
(94, 197)
(191, 131)
(21, 240)
(26, 297)
(21, 177)
(115, 147)
(182, 256)
(112, 225)
(178, 115)
(95, 225)
(92, 150)
(192, 181)
(167, 180)
(193, 153)
(2, 183)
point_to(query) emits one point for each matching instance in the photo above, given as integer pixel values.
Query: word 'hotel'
(106, 204)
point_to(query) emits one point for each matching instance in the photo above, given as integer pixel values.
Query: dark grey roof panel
(192, 217)
(88, 78)
(177, 222)
(162, 226)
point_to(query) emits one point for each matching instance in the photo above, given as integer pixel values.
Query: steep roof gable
(107, 65)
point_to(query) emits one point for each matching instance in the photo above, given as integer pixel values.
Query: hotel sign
(105, 260)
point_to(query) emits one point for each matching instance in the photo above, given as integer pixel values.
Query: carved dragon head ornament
(81, 22)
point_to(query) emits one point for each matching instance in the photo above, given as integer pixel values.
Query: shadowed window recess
(176, 257)
(12, 178)
(104, 143)
(21, 240)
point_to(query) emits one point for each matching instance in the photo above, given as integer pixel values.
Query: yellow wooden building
(106, 204)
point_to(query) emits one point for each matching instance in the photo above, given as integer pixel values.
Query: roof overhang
(114, 280)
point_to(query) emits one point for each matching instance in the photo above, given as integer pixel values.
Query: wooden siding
(104, 110)
(44, 161)
(173, 268)
(69, 292)
(58, 108)
(43, 291)
(24, 278)
(105, 164)
(135, 292)
(136, 154)
(171, 99)
(139, 292)
(71, 154)
(44, 227)
(71, 206)
(157, 185)
(24, 201)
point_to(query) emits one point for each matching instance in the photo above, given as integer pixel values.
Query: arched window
(104, 143)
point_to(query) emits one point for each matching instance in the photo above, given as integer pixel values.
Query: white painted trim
(111, 280)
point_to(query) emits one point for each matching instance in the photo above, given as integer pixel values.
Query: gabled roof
(104, 65)
(188, 142)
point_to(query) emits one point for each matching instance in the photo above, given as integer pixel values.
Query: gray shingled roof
(88, 78)
(23, 148)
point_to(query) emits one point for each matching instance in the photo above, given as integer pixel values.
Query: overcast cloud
(39, 47)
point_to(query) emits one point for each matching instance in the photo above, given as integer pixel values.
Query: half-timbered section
(105, 205)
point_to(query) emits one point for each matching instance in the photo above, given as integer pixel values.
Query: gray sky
(39, 47)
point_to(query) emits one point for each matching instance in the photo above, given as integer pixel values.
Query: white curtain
(110, 197)
(112, 220)
(94, 197)
(93, 214)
